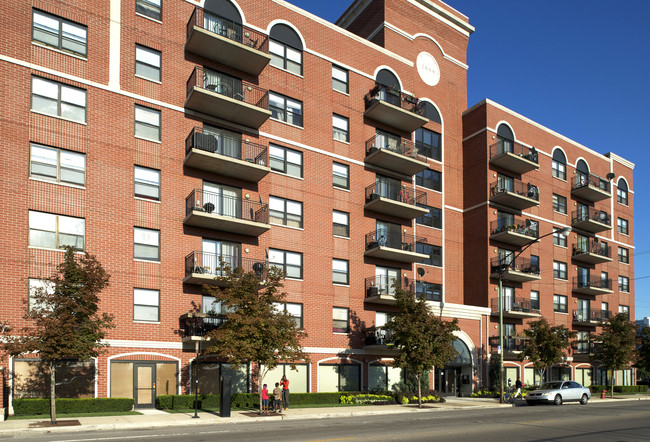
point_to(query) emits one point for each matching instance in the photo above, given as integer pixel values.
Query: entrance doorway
(144, 384)
(455, 379)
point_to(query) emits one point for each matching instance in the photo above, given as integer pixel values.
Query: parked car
(557, 392)
(644, 381)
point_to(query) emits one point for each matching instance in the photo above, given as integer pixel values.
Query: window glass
(431, 219)
(57, 165)
(340, 127)
(150, 8)
(146, 244)
(147, 63)
(341, 221)
(59, 100)
(285, 212)
(622, 226)
(290, 262)
(59, 33)
(147, 123)
(621, 192)
(430, 179)
(340, 271)
(341, 175)
(428, 143)
(534, 300)
(285, 109)
(339, 79)
(560, 303)
(428, 291)
(47, 230)
(434, 252)
(285, 160)
(559, 270)
(558, 238)
(623, 255)
(341, 321)
(147, 183)
(146, 305)
(559, 164)
(285, 57)
(559, 203)
(624, 284)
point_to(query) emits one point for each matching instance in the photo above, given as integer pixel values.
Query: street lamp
(500, 269)
(196, 381)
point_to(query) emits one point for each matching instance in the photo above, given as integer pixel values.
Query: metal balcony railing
(508, 146)
(396, 192)
(228, 86)
(592, 282)
(582, 180)
(378, 336)
(515, 304)
(582, 347)
(591, 214)
(211, 264)
(394, 97)
(510, 343)
(222, 205)
(229, 29)
(398, 145)
(382, 285)
(515, 186)
(580, 315)
(385, 238)
(595, 247)
(524, 265)
(200, 324)
(518, 225)
(227, 146)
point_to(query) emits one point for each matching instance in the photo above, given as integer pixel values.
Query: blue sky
(579, 67)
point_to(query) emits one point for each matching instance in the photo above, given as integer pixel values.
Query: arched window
(286, 48)
(431, 112)
(582, 173)
(559, 164)
(389, 89)
(462, 356)
(223, 18)
(505, 139)
(621, 191)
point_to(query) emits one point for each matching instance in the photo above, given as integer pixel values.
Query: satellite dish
(610, 176)
(420, 272)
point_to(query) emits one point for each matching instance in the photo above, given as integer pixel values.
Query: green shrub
(377, 399)
(619, 388)
(186, 401)
(34, 407)
(242, 401)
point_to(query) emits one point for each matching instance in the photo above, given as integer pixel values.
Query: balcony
(512, 346)
(395, 200)
(514, 157)
(209, 268)
(591, 220)
(196, 326)
(514, 194)
(590, 318)
(219, 39)
(519, 270)
(379, 289)
(378, 338)
(229, 214)
(519, 233)
(393, 247)
(591, 188)
(396, 154)
(227, 97)
(592, 286)
(394, 108)
(594, 252)
(227, 156)
(516, 308)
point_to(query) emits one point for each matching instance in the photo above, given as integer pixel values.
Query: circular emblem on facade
(428, 68)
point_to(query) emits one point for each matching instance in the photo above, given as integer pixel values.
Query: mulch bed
(47, 424)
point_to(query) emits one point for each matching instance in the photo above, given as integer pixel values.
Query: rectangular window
(147, 63)
(624, 284)
(434, 252)
(559, 303)
(285, 109)
(624, 309)
(147, 123)
(295, 310)
(430, 179)
(59, 33)
(150, 8)
(559, 203)
(146, 305)
(285, 57)
(622, 226)
(534, 300)
(146, 244)
(341, 128)
(57, 165)
(285, 160)
(621, 196)
(340, 271)
(58, 100)
(341, 222)
(341, 175)
(428, 291)
(39, 287)
(559, 170)
(339, 79)
(559, 270)
(285, 212)
(50, 231)
(341, 320)
(431, 219)
(558, 238)
(290, 262)
(428, 143)
(623, 255)
(147, 183)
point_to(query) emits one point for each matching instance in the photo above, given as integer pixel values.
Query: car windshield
(551, 386)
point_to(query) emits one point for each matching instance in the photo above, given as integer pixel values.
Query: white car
(559, 391)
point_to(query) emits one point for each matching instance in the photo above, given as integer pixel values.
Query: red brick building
(167, 136)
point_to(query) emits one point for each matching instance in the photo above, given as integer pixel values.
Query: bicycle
(508, 396)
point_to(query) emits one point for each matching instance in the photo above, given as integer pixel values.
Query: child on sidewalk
(277, 395)
(265, 400)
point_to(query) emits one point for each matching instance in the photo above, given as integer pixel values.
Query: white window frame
(341, 128)
(285, 160)
(340, 314)
(147, 239)
(285, 57)
(47, 94)
(147, 119)
(340, 79)
(35, 284)
(285, 260)
(146, 178)
(146, 300)
(281, 105)
(56, 226)
(342, 221)
(62, 30)
(60, 161)
(340, 173)
(149, 63)
(149, 8)
(285, 212)
(340, 271)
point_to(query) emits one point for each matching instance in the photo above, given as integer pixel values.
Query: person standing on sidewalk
(277, 398)
(285, 392)
(265, 400)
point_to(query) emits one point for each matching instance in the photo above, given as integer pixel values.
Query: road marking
(537, 422)
(327, 440)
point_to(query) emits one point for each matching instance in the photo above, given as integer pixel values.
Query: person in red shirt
(285, 392)
(265, 400)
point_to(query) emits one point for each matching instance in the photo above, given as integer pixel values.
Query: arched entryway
(455, 379)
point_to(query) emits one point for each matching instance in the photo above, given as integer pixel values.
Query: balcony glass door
(385, 140)
(583, 310)
(505, 183)
(218, 254)
(228, 143)
(384, 277)
(508, 298)
(582, 212)
(389, 234)
(225, 200)
(505, 219)
(583, 277)
(582, 243)
(388, 187)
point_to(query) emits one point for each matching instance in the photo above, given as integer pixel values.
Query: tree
(255, 329)
(546, 344)
(64, 320)
(643, 351)
(616, 344)
(422, 339)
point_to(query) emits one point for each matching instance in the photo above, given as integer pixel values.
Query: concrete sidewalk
(157, 418)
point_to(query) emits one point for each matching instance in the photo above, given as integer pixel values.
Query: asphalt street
(622, 421)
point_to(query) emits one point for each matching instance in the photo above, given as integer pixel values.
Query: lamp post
(501, 268)
(196, 381)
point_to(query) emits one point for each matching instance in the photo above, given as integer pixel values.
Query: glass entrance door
(144, 384)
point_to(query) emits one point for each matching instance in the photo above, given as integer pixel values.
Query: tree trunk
(260, 383)
(52, 393)
(419, 378)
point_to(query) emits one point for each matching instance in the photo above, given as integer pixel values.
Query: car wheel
(531, 403)
(584, 399)
(557, 400)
